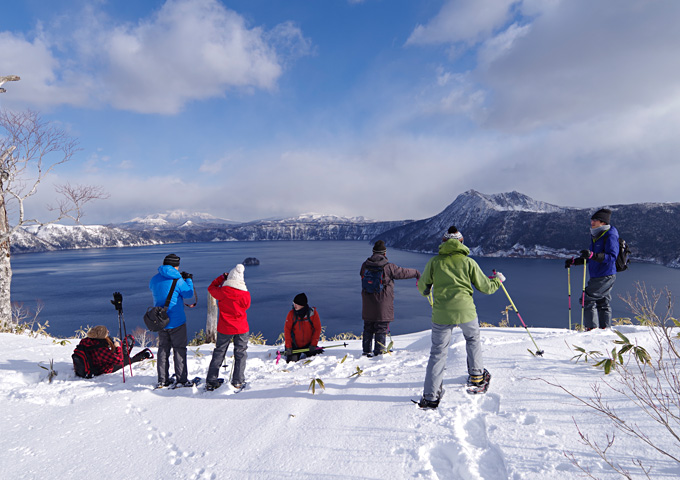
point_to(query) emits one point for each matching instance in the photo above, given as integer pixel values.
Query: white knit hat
(235, 278)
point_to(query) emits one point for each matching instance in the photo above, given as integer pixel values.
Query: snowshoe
(189, 383)
(238, 387)
(426, 404)
(474, 386)
(167, 384)
(210, 386)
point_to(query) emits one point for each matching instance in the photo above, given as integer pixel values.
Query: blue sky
(387, 109)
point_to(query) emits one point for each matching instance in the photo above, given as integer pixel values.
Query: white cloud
(187, 50)
(468, 21)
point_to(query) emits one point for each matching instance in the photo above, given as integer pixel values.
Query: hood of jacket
(453, 247)
(376, 260)
(169, 271)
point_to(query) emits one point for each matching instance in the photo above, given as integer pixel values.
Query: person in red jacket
(302, 329)
(233, 299)
(103, 354)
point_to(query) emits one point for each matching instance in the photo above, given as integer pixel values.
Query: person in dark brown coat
(377, 303)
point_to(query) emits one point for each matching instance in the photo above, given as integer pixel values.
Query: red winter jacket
(306, 331)
(232, 304)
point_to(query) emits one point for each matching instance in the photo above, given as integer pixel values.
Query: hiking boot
(367, 354)
(210, 386)
(237, 386)
(166, 383)
(424, 403)
(188, 383)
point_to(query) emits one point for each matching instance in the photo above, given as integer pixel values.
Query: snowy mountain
(65, 237)
(360, 425)
(321, 218)
(174, 219)
(504, 224)
(512, 224)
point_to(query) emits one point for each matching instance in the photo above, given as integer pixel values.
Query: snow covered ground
(359, 427)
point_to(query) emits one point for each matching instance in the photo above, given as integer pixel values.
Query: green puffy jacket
(451, 275)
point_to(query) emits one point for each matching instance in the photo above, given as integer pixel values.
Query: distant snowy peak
(312, 217)
(175, 218)
(502, 202)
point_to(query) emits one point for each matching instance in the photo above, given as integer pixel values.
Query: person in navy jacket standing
(174, 335)
(601, 259)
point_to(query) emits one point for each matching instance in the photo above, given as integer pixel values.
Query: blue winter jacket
(607, 243)
(160, 286)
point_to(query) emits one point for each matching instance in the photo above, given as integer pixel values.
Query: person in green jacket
(450, 276)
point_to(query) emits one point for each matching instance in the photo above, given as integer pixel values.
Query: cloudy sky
(389, 109)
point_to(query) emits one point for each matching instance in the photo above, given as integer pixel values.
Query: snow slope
(363, 427)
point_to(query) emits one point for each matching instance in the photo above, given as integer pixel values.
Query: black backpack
(623, 258)
(82, 361)
(372, 280)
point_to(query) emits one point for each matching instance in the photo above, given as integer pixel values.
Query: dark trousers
(175, 339)
(598, 311)
(377, 330)
(240, 354)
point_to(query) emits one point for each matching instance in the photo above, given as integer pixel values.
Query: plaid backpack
(82, 361)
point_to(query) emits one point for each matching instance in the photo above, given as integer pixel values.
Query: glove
(579, 261)
(499, 276)
(428, 288)
(569, 262)
(586, 254)
(186, 275)
(117, 301)
(288, 352)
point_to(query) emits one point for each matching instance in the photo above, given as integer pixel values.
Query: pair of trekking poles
(122, 331)
(538, 352)
(583, 296)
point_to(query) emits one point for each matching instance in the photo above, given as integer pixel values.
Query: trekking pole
(125, 341)
(538, 351)
(303, 350)
(583, 297)
(569, 290)
(118, 304)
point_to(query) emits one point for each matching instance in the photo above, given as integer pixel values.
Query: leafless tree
(30, 149)
(650, 384)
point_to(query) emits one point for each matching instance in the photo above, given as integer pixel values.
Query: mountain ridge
(503, 224)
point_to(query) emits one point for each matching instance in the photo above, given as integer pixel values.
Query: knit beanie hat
(453, 233)
(379, 247)
(235, 278)
(99, 332)
(604, 215)
(172, 260)
(300, 299)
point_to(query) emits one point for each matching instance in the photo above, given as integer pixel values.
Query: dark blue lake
(76, 286)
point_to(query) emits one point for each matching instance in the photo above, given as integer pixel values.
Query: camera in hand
(186, 275)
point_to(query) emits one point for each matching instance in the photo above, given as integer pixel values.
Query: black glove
(587, 254)
(568, 262)
(117, 301)
(579, 261)
(186, 275)
(288, 352)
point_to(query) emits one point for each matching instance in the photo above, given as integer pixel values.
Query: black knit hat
(379, 247)
(300, 299)
(172, 260)
(604, 215)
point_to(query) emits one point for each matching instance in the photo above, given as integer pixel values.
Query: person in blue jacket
(174, 336)
(601, 259)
